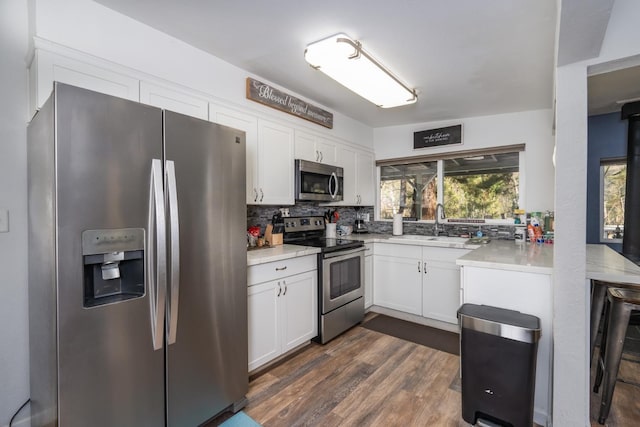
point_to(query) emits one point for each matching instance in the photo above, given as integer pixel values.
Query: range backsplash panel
(261, 215)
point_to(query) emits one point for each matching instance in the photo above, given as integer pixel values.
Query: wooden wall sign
(274, 98)
(437, 137)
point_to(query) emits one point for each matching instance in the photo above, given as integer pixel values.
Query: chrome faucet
(439, 207)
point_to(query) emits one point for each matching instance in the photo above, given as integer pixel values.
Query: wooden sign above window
(436, 137)
(274, 98)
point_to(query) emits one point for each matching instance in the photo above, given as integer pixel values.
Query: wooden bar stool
(621, 302)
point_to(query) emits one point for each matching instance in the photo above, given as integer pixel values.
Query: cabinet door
(264, 331)
(365, 178)
(249, 124)
(299, 309)
(49, 67)
(441, 291)
(305, 147)
(368, 281)
(173, 100)
(347, 160)
(327, 150)
(398, 283)
(275, 164)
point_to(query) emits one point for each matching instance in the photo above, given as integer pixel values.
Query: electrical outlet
(4, 220)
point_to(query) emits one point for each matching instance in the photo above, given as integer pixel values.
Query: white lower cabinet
(282, 312)
(398, 279)
(424, 281)
(368, 275)
(441, 283)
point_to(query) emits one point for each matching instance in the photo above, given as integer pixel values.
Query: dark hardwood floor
(365, 378)
(361, 378)
(625, 408)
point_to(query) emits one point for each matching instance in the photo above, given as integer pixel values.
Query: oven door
(342, 278)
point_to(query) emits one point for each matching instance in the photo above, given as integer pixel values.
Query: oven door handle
(343, 253)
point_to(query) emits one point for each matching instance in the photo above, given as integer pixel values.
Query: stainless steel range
(340, 275)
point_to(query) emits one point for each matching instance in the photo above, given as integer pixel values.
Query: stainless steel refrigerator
(137, 264)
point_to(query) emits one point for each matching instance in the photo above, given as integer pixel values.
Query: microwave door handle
(335, 179)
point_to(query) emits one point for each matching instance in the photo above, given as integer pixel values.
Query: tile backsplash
(261, 215)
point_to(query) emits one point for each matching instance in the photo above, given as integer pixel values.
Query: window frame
(520, 148)
(603, 163)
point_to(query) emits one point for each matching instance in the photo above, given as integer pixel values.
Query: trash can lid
(505, 323)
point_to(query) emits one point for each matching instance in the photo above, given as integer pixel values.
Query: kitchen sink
(412, 237)
(439, 241)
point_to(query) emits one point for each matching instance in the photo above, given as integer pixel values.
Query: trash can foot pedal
(486, 423)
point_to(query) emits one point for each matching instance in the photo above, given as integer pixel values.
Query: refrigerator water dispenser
(113, 265)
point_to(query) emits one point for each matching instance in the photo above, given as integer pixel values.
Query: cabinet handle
(285, 287)
(261, 195)
(419, 266)
(281, 268)
(425, 268)
(317, 156)
(279, 289)
(321, 156)
(255, 199)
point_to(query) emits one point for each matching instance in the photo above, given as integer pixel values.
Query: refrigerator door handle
(157, 279)
(174, 227)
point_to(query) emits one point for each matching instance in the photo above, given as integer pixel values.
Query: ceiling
(465, 58)
(608, 92)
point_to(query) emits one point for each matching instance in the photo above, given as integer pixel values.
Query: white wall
(94, 29)
(532, 128)
(571, 302)
(14, 337)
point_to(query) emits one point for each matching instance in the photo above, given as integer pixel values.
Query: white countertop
(603, 263)
(508, 255)
(278, 253)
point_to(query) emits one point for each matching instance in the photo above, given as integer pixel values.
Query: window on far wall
(472, 185)
(613, 178)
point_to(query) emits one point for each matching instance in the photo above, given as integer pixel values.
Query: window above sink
(473, 186)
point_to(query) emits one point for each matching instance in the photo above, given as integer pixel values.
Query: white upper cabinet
(365, 180)
(174, 100)
(49, 67)
(315, 148)
(359, 181)
(275, 183)
(249, 124)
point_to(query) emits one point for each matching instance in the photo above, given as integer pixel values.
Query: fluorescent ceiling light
(344, 60)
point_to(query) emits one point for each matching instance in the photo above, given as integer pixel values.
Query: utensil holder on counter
(330, 230)
(271, 238)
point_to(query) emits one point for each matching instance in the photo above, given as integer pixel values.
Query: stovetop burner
(309, 231)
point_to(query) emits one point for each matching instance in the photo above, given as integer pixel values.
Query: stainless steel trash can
(498, 350)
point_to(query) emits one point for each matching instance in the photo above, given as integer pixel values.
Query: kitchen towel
(397, 224)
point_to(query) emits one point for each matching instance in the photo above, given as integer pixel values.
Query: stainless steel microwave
(318, 182)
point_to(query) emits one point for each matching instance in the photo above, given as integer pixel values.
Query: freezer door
(109, 373)
(207, 362)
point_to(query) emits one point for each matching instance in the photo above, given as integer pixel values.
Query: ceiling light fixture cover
(344, 60)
